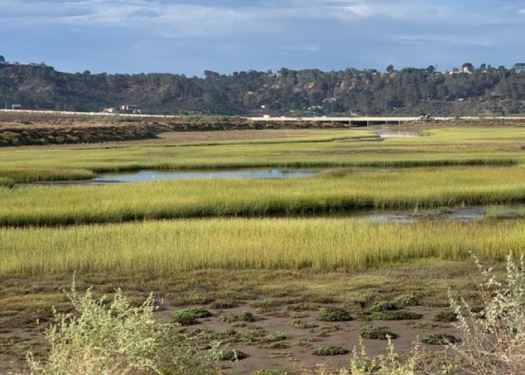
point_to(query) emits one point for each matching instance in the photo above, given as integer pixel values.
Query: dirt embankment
(40, 129)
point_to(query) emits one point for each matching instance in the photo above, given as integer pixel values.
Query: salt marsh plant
(351, 191)
(111, 337)
(319, 244)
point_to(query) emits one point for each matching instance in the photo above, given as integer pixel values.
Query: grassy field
(324, 148)
(283, 249)
(325, 244)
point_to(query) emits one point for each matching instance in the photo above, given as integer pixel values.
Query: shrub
(396, 315)
(332, 314)
(493, 341)
(383, 306)
(190, 315)
(446, 316)
(329, 351)
(245, 317)
(441, 339)
(371, 332)
(230, 355)
(113, 337)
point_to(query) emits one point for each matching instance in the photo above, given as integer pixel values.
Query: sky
(189, 37)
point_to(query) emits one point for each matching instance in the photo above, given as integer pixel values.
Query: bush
(493, 341)
(114, 337)
(446, 316)
(190, 315)
(332, 314)
(324, 351)
(383, 306)
(230, 355)
(440, 339)
(245, 317)
(396, 315)
(371, 332)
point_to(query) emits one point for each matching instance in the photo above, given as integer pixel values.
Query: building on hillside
(130, 109)
(519, 68)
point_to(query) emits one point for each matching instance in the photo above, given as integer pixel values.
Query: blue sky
(230, 35)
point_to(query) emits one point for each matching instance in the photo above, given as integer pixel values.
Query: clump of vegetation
(230, 355)
(372, 332)
(114, 337)
(333, 314)
(190, 315)
(331, 350)
(271, 371)
(396, 315)
(446, 316)
(440, 339)
(223, 304)
(406, 300)
(383, 306)
(493, 341)
(245, 317)
(303, 325)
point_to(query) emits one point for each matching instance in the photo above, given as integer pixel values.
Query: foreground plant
(114, 337)
(494, 336)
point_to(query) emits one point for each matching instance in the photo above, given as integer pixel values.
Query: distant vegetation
(475, 91)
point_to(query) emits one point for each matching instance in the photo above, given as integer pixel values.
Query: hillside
(410, 91)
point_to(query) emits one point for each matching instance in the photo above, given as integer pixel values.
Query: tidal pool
(153, 175)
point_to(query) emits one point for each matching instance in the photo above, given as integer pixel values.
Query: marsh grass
(321, 244)
(351, 190)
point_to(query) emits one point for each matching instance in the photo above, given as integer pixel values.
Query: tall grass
(321, 244)
(443, 147)
(344, 191)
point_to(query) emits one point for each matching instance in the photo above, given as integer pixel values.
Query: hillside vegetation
(409, 91)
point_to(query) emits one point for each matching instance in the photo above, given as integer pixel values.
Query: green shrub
(245, 317)
(384, 306)
(446, 316)
(371, 332)
(440, 339)
(113, 338)
(331, 350)
(396, 315)
(190, 315)
(230, 355)
(332, 314)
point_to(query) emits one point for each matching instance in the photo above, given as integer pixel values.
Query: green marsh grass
(319, 244)
(344, 191)
(330, 148)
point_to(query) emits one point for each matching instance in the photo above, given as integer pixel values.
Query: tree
(390, 68)
(431, 69)
(2, 59)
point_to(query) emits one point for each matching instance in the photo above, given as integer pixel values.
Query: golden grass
(322, 244)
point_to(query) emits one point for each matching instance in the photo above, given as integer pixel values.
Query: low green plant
(440, 339)
(396, 315)
(245, 317)
(493, 339)
(190, 315)
(372, 332)
(446, 316)
(383, 306)
(323, 351)
(332, 314)
(230, 355)
(114, 337)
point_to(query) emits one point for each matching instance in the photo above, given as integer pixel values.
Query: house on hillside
(519, 68)
(130, 109)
